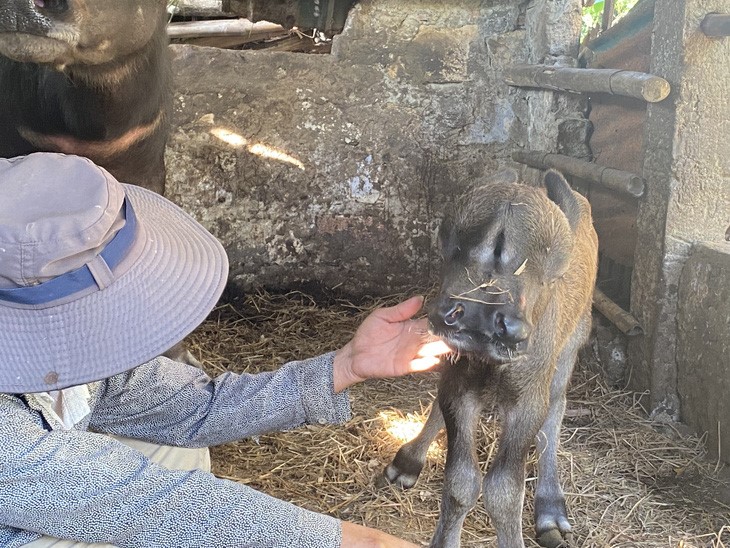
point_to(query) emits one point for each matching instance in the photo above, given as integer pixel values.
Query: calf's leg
(461, 404)
(503, 488)
(411, 457)
(551, 517)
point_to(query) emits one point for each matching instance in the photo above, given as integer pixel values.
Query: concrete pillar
(687, 170)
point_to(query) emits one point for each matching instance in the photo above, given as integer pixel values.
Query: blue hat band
(82, 278)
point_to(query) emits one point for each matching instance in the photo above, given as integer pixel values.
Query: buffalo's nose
(510, 329)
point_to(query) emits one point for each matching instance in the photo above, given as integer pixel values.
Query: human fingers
(429, 355)
(358, 536)
(402, 311)
(434, 349)
(423, 364)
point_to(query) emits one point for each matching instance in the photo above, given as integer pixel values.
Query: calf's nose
(510, 328)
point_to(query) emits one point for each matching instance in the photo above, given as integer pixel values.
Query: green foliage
(592, 15)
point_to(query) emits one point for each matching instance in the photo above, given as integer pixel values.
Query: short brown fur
(515, 304)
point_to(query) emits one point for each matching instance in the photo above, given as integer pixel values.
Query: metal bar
(224, 27)
(615, 179)
(716, 25)
(640, 85)
(626, 323)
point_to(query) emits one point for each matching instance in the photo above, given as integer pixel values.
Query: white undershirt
(69, 406)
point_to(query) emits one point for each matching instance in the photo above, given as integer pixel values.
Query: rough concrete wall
(703, 344)
(552, 35)
(337, 168)
(687, 171)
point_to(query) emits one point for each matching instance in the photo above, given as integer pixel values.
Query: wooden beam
(640, 85)
(716, 25)
(615, 179)
(626, 323)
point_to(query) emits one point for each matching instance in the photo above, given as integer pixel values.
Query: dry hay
(626, 484)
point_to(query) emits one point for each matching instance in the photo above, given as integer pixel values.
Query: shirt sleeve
(172, 403)
(90, 488)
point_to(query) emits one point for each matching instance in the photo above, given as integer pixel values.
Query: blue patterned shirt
(82, 485)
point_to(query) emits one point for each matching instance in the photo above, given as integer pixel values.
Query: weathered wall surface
(703, 344)
(687, 172)
(336, 168)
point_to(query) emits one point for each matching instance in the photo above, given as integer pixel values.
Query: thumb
(402, 311)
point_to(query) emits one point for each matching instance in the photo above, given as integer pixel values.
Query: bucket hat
(96, 277)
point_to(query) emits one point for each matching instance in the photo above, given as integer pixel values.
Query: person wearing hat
(97, 280)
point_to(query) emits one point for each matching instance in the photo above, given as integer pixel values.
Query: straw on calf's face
(499, 259)
(514, 305)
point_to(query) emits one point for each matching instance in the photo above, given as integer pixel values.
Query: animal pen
(330, 173)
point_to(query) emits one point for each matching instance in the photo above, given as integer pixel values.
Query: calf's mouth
(486, 347)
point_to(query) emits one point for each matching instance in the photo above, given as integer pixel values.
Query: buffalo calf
(87, 77)
(515, 307)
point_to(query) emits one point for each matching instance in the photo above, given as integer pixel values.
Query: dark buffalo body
(87, 77)
(514, 305)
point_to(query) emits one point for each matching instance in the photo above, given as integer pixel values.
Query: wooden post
(608, 13)
(640, 85)
(686, 167)
(615, 179)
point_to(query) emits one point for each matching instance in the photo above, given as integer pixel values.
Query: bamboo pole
(615, 179)
(640, 85)
(623, 320)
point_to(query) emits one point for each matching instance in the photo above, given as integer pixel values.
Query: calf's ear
(559, 191)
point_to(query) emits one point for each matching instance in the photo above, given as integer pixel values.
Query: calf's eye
(498, 246)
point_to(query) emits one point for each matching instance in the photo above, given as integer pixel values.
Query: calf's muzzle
(503, 323)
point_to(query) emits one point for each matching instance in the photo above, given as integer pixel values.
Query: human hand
(357, 536)
(388, 344)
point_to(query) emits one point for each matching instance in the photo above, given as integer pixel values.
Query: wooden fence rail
(640, 85)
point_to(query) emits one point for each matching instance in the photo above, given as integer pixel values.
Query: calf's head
(504, 247)
(67, 32)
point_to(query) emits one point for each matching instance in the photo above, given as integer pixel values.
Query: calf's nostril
(510, 329)
(454, 314)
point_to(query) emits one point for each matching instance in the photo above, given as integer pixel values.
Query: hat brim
(176, 280)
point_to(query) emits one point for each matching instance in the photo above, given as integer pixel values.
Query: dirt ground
(626, 483)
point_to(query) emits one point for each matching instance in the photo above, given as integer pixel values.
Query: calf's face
(500, 259)
(66, 32)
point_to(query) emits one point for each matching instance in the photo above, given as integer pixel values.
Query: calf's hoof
(551, 521)
(553, 538)
(403, 471)
(393, 475)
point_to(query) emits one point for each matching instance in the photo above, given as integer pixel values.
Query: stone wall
(687, 173)
(336, 168)
(703, 345)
